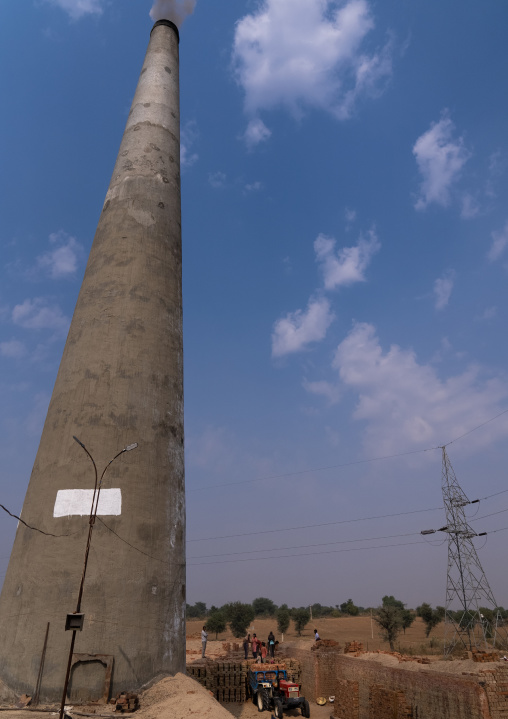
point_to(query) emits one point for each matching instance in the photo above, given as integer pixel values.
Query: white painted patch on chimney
(78, 502)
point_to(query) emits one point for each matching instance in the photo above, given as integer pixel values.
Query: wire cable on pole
(36, 529)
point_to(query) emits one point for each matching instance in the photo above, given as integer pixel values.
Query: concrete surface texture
(120, 381)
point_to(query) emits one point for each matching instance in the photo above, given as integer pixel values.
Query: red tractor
(271, 689)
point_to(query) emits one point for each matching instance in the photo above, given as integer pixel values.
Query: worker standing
(255, 646)
(271, 644)
(204, 637)
(246, 642)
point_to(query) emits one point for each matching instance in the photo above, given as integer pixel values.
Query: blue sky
(345, 239)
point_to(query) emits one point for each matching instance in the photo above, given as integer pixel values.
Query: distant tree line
(392, 617)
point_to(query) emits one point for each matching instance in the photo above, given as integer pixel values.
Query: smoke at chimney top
(174, 10)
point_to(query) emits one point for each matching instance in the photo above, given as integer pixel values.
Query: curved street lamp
(75, 620)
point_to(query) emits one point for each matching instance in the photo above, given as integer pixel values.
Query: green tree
(196, 611)
(283, 617)
(349, 608)
(264, 607)
(390, 601)
(408, 618)
(317, 610)
(389, 619)
(238, 616)
(216, 622)
(431, 617)
(301, 618)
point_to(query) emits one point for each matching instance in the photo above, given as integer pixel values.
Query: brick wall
(429, 695)
(356, 684)
(318, 671)
(347, 699)
(388, 704)
(495, 683)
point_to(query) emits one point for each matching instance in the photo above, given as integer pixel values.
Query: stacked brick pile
(478, 656)
(229, 647)
(324, 644)
(419, 660)
(228, 681)
(353, 647)
(231, 681)
(403, 657)
(126, 702)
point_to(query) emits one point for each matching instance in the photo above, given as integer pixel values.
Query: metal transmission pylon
(467, 588)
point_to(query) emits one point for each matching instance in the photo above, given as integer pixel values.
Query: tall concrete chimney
(120, 381)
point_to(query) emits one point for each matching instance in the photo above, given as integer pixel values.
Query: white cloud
(256, 132)
(350, 216)
(348, 265)
(12, 349)
(63, 260)
(470, 207)
(308, 53)
(443, 288)
(489, 313)
(217, 179)
(38, 314)
(175, 10)
(440, 158)
(499, 245)
(77, 9)
(254, 187)
(188, 136)
(323, 389)
(296, 330)
(406, 405)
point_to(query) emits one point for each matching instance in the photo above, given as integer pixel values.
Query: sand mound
(178, 697)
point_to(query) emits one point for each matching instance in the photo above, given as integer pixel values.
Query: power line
(307, 546)
(307, 554)
(496, 494)
(475, 428)
(311, 526)
(309, 471)
(492, 514)
(346, 464)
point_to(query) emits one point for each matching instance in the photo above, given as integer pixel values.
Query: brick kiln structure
(365, 689)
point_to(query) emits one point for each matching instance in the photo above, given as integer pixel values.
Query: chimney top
(167, 23)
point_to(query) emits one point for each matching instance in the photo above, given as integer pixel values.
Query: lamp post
(78, 617)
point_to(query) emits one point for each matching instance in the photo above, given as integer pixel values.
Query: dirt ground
(343, 629)
(249, 711)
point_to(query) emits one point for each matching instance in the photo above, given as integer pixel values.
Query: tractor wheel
(259, 701)
(277, 708)
(266, 699)
(305, 709)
